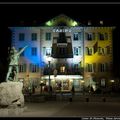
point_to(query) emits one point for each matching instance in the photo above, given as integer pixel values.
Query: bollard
(87, 99)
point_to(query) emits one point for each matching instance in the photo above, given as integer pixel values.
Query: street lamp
(49, 82)
(112, 81)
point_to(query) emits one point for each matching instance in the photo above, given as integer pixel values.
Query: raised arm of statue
(22, 50)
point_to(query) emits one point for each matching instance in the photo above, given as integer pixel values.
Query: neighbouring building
(80, 55)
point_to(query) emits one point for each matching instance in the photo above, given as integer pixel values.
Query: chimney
(101, 22)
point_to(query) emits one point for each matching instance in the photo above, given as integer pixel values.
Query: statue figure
(13, 64)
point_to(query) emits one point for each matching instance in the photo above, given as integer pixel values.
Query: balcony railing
(46, 71)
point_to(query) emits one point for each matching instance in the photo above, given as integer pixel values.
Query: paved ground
(78, 107)
(71, 109)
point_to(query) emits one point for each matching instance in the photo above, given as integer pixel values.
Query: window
(21, 36)
(108, 50)
(103, 67)
(48, 36)
(88, 51)
(80, 50)
(90, 36)
(48, 51)
(76, 66)
(101, 36)
(62, 69)
(62, 50)
(58, 85)
(101, 51)
(75, 36)
(75, 51)
(22, 67)
(65, 84)
(22, 54)
(89, 67)
(44, 50)
(34, 36)
(80, 35)
(34, 68)
(94, 67)
(34, 51)
(106, 36)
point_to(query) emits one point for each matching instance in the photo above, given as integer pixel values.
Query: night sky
(12, 14)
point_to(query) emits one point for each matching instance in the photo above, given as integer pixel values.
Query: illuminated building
(82, 55)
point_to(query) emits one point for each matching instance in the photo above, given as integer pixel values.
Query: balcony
(72, 71)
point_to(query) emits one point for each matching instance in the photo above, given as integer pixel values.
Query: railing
(67, 72)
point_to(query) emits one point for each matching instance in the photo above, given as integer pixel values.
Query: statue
(13, 64)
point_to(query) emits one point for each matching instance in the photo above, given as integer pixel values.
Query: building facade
(64, 53)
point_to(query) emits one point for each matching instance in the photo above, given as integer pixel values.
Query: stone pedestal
(11, 94)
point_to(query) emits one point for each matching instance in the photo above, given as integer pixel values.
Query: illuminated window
(77, 51)
(34, 68)
(65, 85)
(22, 67)
(58, 85)
(22, 54)
(62, 69)
(34, 36)
(48, 51)
(34, 51)
(75, 36)
(21, 36)
(48, 36)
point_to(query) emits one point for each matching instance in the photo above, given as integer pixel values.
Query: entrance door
(62, 85)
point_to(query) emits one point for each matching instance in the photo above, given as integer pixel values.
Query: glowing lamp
(112, 81)
(74, 23)
(49, 23)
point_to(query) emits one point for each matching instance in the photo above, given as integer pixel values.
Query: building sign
(61, 30)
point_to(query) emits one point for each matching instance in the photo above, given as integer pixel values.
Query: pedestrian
(73, 90)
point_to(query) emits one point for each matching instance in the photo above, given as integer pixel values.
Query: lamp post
(112, 81)
(49, 82)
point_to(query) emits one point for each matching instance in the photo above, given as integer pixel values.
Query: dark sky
(12, 14)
